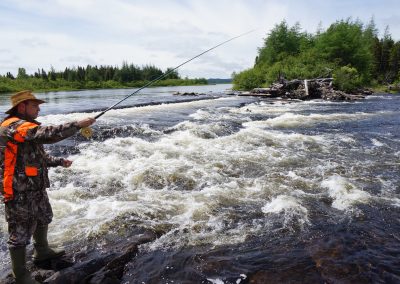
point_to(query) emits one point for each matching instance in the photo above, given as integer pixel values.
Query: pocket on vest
(31, 171)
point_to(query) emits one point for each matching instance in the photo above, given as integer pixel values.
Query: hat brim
(36, 100)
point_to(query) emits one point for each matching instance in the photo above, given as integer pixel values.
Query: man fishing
(24, 179)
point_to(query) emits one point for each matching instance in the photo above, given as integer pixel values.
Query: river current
(238, 189)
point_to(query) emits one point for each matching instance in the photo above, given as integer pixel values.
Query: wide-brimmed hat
(20, 97)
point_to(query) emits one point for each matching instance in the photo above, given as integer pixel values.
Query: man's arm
(53, 161)
(51, 134)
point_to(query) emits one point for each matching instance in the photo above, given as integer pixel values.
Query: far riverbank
(8, 85)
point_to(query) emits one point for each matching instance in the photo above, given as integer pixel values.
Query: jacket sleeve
(53, 161)
(46, 134)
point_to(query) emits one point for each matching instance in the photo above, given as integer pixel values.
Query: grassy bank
(389, 89)
(8, 85)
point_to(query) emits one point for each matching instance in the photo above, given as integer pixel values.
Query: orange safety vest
(10, 155)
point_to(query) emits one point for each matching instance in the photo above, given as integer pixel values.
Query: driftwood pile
(306, 90)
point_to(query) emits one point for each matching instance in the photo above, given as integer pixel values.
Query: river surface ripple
(240, 190)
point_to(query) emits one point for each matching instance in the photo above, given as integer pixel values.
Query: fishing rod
(87, 132)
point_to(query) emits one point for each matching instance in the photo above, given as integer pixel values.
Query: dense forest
(92, 77)
(349, 51)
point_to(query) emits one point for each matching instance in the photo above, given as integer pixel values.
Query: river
(238, 189)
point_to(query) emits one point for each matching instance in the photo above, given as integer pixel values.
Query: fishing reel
(86, 132)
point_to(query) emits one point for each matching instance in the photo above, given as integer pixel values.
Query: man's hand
(66, 163)
(86, 122)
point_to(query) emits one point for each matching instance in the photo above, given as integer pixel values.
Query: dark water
(239, 190)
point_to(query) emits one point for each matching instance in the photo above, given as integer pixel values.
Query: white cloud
(61, 33)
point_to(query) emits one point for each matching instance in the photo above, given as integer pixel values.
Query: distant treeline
(219, 81)
(92, 77)
(348, 50)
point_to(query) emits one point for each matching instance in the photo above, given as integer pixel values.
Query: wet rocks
(104, 268)
(188, 94)
(105, 265)
(82, 272)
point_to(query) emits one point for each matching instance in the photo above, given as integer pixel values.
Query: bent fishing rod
(87, 132)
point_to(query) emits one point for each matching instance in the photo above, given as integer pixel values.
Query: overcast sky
(66, 33)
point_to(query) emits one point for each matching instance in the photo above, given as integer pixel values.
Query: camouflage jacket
(24, 162)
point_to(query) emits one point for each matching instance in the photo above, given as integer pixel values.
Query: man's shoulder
(17, 121)
(11, 120)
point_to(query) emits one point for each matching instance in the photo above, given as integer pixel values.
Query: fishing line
(87, 132)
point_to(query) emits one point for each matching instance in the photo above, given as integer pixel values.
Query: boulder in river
(188, 94)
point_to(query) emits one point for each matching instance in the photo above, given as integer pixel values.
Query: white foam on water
(289, 206)
(242, 277)
(213, 130)
(219, 116)
(219, 281)
(55, 119)
(291, 120)
(289, 141)
(76, 216)
(292, 175)
(344, 194)
(163, 107)
(396, 202)
(206, 218)
(115, 116)
(375, 96)
(346, 138)
(265, 108)
(282, 107)
(181, 182)
(215, 281)
(377, 143)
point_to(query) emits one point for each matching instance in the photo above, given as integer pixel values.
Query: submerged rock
(188, 94)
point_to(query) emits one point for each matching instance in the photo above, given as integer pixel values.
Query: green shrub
(248, 79)
(346, 78)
